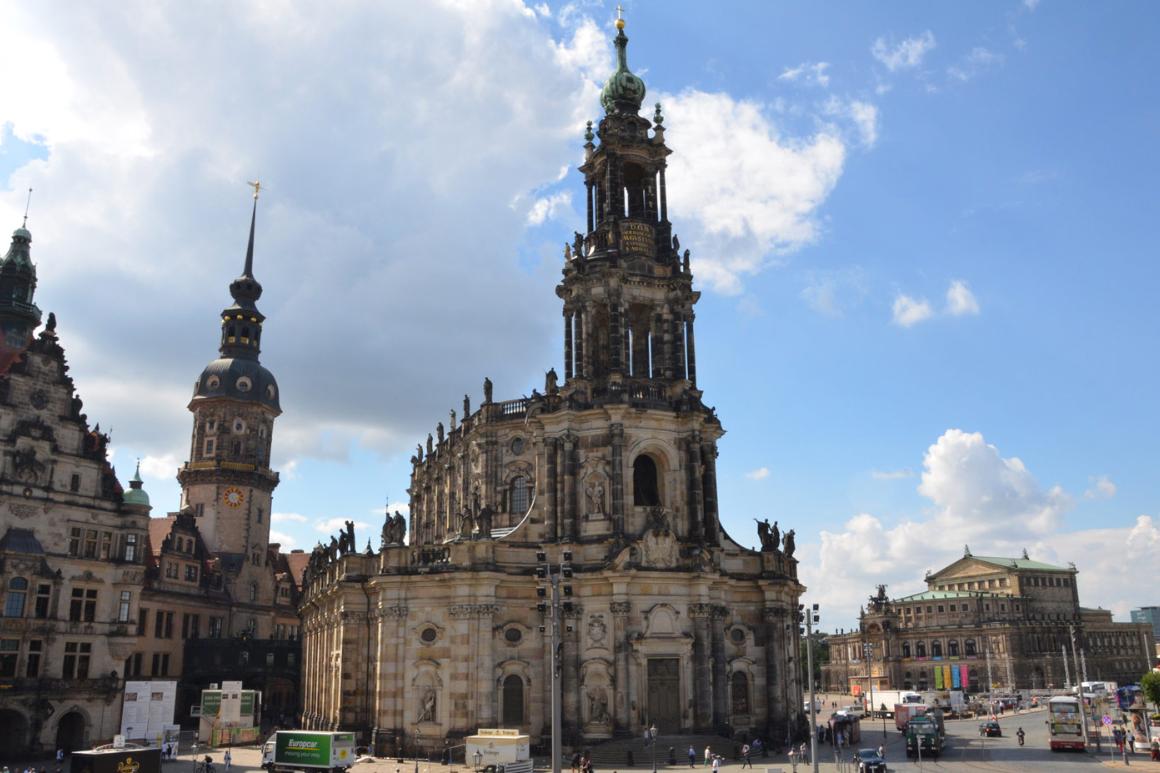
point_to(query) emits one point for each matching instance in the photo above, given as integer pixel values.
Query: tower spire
(27, 204)
(249, 270)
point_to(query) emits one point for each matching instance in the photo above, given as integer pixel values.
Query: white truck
(891, 698)
(308, 750)
(499, 748)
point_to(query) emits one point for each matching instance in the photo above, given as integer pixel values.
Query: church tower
(19, 316)
(228, 483)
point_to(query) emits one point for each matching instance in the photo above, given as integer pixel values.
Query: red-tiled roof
(297, 563)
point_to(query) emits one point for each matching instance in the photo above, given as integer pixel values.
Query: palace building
(611, 470)
(72, 542)
(1015, 619)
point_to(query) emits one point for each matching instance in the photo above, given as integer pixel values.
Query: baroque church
(611, 471)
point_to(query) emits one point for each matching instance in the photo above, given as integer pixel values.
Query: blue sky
(925, 235)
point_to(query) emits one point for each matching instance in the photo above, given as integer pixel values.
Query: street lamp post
(652, 738)
(811, 616)
(555, 610)
(868, 653)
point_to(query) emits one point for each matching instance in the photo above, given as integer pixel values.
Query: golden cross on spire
(619, 17)
(257, 186)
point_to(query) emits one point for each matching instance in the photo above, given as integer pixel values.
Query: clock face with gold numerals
(233, 497)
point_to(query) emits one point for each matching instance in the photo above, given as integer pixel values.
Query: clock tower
(227, 483)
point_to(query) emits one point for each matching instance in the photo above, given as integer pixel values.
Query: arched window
(645, 490)
(513, 701)
(920, 649)
(969, 645)
(907, 684)
(14, 601)
(520, 496)
(953, 648)
(739, 686)
(936, 649)
(906, 649)
(253, 593)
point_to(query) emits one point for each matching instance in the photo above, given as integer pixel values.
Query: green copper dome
(136, 495)
(624, 92)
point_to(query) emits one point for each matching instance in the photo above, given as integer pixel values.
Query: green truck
(923, 738)
(308, 750)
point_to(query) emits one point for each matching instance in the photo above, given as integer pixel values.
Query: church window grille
(215, 627)
(90, 543)
(520, 495)
(739, 684)
(142, 620)
(76, 659)
(645, 489)
(83, 605)
(9, 652)
(920, 649)
(953, 648)
(74, 542)
(253, 591)
(936, 649)
(191, 572)
(32, 666)
(131, 547)
(259, 515)
(106, 545)
(171, 570)
(123, 606)
(211, 425)
(210, 444)
(199, 509)
(513, 701)
(43, 597)
(17, 594)
(906, 649)
(75, 483)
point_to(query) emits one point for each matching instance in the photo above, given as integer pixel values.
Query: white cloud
(909, 311)
(978, 60)
(335, 525)
(995, 505)
(550, 207)
(832, 293)
(891, 474)
(164, 466)
(748, 194)
(1030, 5)
(1102, 488)
(862, 116)
(807, 74)
(761, 473)
(286, 541)
(960, 300)
(288, 518)
(906, 55)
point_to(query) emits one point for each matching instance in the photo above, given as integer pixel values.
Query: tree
(1150, 686)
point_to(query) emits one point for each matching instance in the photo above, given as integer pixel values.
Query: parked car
(990, 729)
(869, 761)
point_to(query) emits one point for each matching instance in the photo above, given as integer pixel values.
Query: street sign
(1107, 721)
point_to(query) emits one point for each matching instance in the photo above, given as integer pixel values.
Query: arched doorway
(645, 486)
(70, 732)
(513, 701)
(14, 731)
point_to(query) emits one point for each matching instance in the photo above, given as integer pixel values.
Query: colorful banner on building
(938, 674)
(956, 678)
(964, 673)
(946, 677)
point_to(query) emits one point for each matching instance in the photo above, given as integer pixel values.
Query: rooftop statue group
(323, 555)
(394, 529)
(468, 523)
(771, 538)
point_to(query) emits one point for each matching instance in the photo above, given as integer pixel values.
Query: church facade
(611, 470)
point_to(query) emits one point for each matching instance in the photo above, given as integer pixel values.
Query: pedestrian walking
(1131, 742)
(745, 761)
(576, 762)
(716, 763)
(228, 759)
(59, 756)
(708, 756)
(692, 756)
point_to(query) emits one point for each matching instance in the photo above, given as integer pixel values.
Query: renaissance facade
(611, 470)
(1014, 619)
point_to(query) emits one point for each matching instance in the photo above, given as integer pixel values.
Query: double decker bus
(1064, 718)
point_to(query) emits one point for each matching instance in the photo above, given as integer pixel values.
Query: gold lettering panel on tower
(637, 239)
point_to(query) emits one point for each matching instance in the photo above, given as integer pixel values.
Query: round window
(737, 635)
(271, 391)
(518, 446)
(428, 635)
(244, 384)
(213, 382)
(239, 426)
(513, 635)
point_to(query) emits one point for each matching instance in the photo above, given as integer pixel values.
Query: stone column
(553, 525)
(571, 698)
(588, 199)
(617, 432)
(622, 713)
(692, 350)
(693, 462)
(569, 488)
(717, 658)
(567, 346)
(579, 342)
(679, 346)
(702, 673)
(709, 486)
(664, 198)
(775, 622)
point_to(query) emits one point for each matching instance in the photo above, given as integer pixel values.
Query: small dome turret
(136, 494)
(624, 91)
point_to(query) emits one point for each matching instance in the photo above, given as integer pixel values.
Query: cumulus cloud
(807, 74)
(286, 541)
(747, 194)
(832, 293)
(991, 502)
(908, 311)
(1102, 487)
(288, 518)
(960, 300)
(550, 207)
(761, 473)
(861, 116)
(335, 525)
(905, 55)
(977, 61)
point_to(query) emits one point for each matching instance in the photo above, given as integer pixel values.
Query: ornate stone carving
(620, 608)
(473, 610)
(659, 549)
(597, 630)
(598, 706)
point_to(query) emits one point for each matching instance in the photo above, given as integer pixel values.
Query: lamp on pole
(652, 739)
(868, 653)
(811, 616)
(554, 609)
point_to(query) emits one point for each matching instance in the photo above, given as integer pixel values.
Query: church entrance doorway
(664, 690)
(70, 733)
